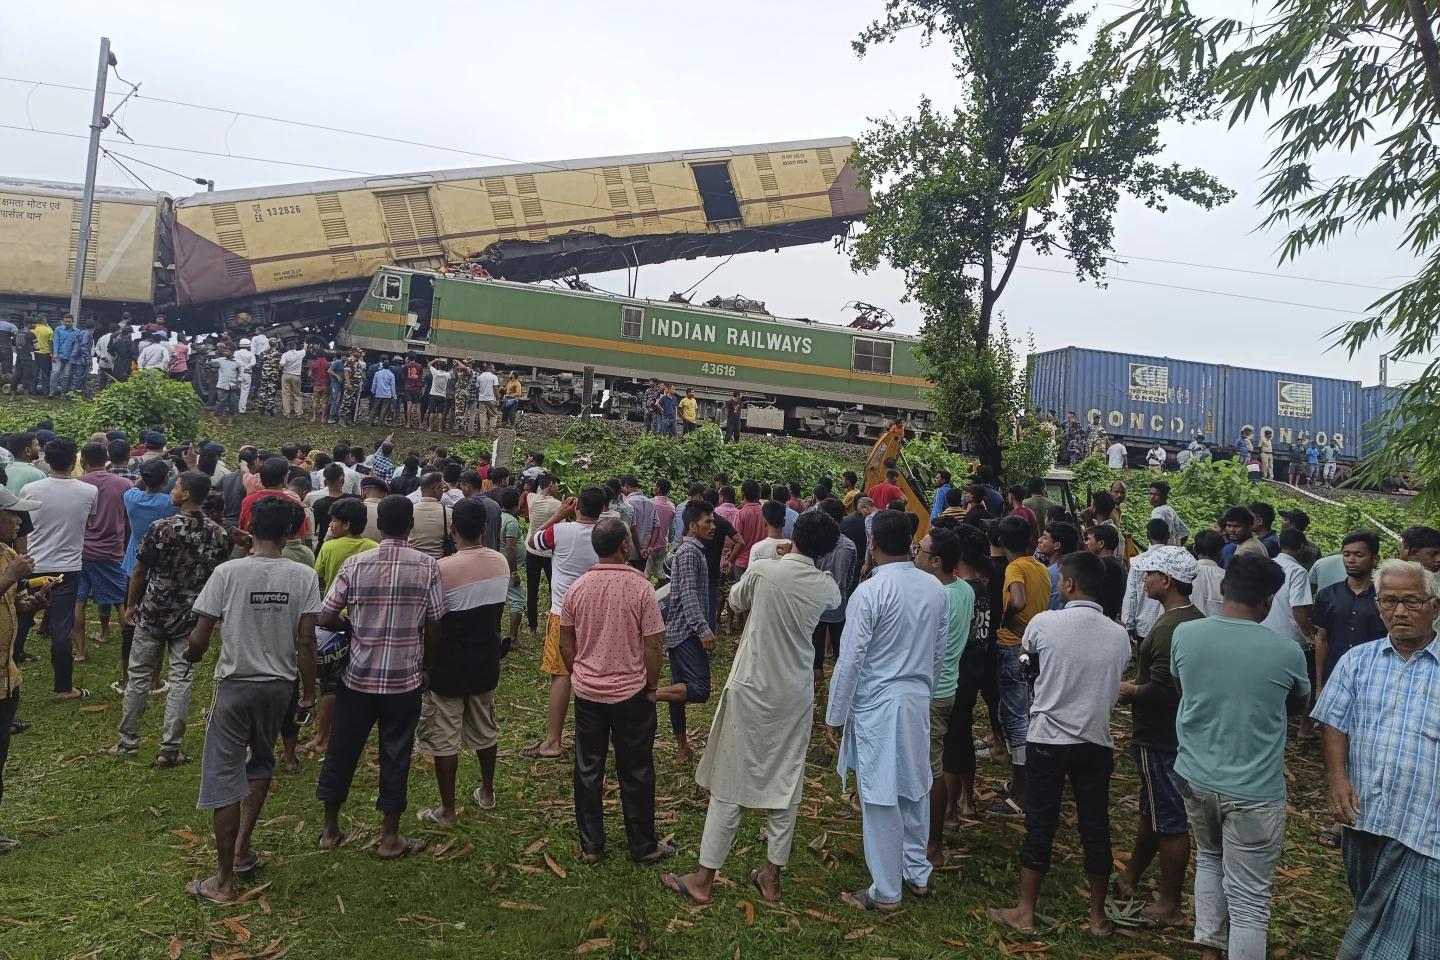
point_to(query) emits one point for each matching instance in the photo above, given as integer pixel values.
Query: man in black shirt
(1103, 540)
(853, 528)
(720, 552)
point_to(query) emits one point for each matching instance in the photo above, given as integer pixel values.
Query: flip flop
(533, 752)
(250, 867)
(19, 726)
(196, 889)
(861, 900)
(432, 815)
(411, 846)
(755, 882)
(170, 760)
(481, 803)
(1329, 839)
(675, 883)
(118, 751)
(663, 851)
(80, 694)
(917, 891)
(998, 916)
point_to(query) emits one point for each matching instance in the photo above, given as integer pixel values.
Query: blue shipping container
(1292, 405)
(1375, 403)
(1139, 398)
(1142, 399)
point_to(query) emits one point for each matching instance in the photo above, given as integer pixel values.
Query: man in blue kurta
(890, 658)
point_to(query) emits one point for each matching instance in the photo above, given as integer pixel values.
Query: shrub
(146, 399)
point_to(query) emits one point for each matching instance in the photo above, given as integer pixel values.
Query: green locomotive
(799, 377)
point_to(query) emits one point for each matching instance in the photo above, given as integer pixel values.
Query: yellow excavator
(885, 455)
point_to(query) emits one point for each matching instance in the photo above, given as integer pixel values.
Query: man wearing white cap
(1168, 575)
(244, 359)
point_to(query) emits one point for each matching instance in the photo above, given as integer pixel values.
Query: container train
(797, 377)
(1143, 399)
(306, 252)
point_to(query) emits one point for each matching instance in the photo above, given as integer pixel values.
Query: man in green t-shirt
(1168, 574)
(348, 521)
(939, 554)
(1237, 681)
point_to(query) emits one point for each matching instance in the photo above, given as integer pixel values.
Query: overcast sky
(554, 80)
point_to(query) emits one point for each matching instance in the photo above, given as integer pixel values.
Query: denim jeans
(1014, 703)
(336, 392)
(59, 377)
(146, 652)
(1237, 844)
(77, 374)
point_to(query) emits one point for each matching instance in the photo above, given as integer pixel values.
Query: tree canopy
(953, 199)
(1340, 82)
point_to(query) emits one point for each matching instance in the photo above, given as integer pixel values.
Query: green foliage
(1031, 454)
(952, 201)
(146, 399)
(1332, 77)
(925, 456)
(589, 451)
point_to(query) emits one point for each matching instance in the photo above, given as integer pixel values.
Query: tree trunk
(1425, 40)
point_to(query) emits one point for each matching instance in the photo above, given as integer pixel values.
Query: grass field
(109, 844)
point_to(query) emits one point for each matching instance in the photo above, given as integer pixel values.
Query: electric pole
(98, 122)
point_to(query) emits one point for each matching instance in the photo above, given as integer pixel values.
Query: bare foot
(1162, 920)
(1101, 927)
(684, 756)
(688, 886)
(1010, 917)
(208, 889)
(540, 750)
(329, 840)
(1124, 889)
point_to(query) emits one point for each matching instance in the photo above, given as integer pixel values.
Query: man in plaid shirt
(395, 600)
(688, 636)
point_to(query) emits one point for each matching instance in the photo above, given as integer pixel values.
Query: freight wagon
(284, 251)
(1142, 399)
(304, 253)
(125, 265)
(799, 377)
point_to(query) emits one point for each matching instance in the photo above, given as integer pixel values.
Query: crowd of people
(355, 596)
(1307, 461)
(244, 369)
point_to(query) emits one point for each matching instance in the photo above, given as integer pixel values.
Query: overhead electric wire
(1218, 293)
(156, 166)
(126, 170)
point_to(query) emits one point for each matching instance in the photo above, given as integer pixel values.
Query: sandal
(755, 882)
(251, 867)
(663, 851)
(434, 816)
(118, 750)
(1329, 839)
(409, 848)
(998, 915)
(917, 891)
(533, 752)
(196, 889)
(79, 693)
(861, 900)
(675, 883)
(478, 794)
(19, 726)
(169, 760)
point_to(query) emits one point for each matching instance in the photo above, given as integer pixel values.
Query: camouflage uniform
(463, 385)
(1099, 440)
(354, 385)
(267, 397)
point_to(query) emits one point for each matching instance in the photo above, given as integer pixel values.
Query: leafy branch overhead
(954, 203)
(1351, 92)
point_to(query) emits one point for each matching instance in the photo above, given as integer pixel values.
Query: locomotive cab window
(632, 322)
(871, 356)
(717, 192)
(390, 288)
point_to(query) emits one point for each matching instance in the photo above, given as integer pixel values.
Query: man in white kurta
(890, 658)
(755, 757)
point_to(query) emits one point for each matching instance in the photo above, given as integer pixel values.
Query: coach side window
(871, 356)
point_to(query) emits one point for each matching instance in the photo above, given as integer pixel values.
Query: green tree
(1334, 78)
(951, 201)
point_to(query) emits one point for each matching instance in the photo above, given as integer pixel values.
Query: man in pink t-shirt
(610, 636)
(749, 523)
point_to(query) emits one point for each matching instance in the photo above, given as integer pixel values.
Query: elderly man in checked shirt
(1380, 710)
(396, 600)
(688, 635)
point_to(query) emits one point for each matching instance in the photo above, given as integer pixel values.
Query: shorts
(414, 396)
(515, 597)
(1160, 801)
(439, 404)
(939, 723)
(226, 401)
(550, 661)
(452, 725)
(103, 581)
(245, 714)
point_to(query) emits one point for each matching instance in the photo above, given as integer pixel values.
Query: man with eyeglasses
(1379, 711)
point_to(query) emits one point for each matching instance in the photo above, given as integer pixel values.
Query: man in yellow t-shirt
(44, 334)
(1027, 592)
(512, 393)
(689, 412)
